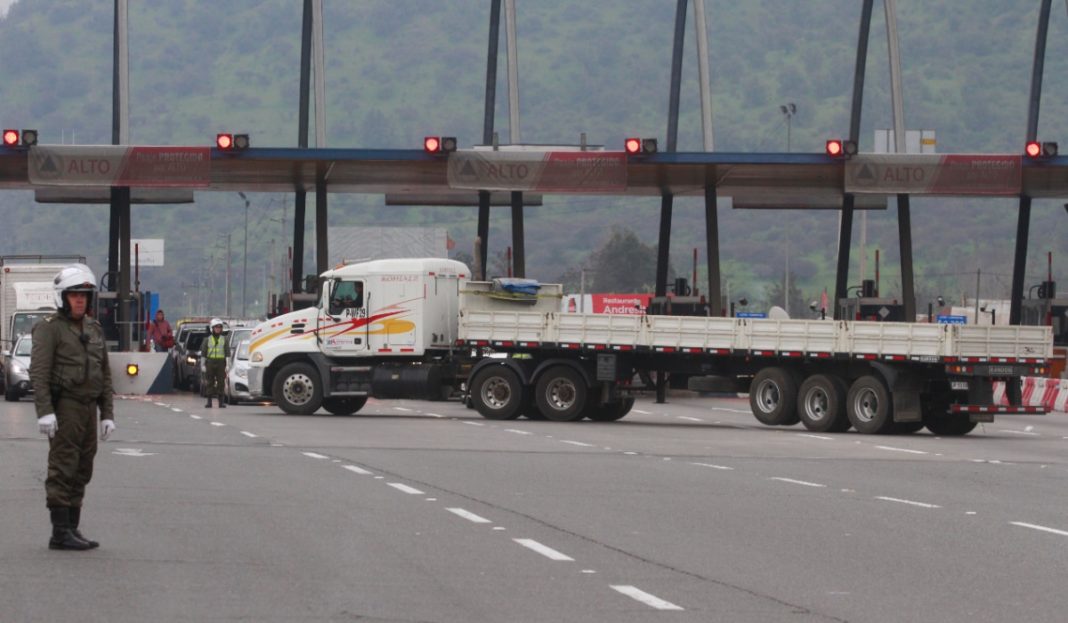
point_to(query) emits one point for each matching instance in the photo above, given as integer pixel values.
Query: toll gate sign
(541, 171)
(120, 165)
(933, 174)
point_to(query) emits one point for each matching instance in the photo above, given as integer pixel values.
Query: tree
(798, 307)
(622, 264)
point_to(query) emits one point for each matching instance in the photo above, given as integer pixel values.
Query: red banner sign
(120, 165)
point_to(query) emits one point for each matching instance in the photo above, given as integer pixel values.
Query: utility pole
(244, 271)
(228, 289)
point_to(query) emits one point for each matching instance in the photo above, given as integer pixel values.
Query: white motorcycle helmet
(73, 278)
(216, 322)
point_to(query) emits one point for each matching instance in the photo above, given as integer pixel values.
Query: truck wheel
(611, 411)
(297, 389)
(344, 405)
(869, 407)
(951, 425)
(497, 393)
(821, 404)
(773, 397)
(561, 394)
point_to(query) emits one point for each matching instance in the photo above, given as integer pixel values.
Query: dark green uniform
(213, 350)
(70, 376)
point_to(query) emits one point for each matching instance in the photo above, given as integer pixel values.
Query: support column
(322, 252)
(904, 239)
(663, 253)
(301, 198)
(487, 134)
(519, 263)
(712, 246)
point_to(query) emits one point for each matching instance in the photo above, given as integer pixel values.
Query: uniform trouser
(215, 373)
(71, 453)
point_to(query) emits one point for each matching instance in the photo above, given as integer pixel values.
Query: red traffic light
(432, 144)
(224, 141)
(11, 138)
(834, 148)
(632, 145)
(1033, 149)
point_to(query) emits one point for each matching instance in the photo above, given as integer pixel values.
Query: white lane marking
(517, 431)
(745, 411)
(630, 452)
(356, 470)
(544, 550)
(589, 571)
(815, 436)
(159, 404)
(195, 417)
(577, 443)
(969, 512)
(893, 449)
(499, 528)
(176, 409)
(248, 434)
(217, 424)
(401, 409)
(1029, 428)
(690, 419)
(474, 423)
(431, 499)
(637, 594)
(797, 482)
(1037, 527)
(468, 515)
(1018, 432)
(405, 488)
(640, 411)
(314, 455)
(435, 415)
(132, 452)
(909, 502)
(713, 466)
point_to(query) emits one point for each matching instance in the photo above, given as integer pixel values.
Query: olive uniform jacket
(70, 360)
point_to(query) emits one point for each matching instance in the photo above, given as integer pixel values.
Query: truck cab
(379, 328)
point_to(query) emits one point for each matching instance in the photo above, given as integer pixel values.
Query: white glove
(47, 425)
(106, 428)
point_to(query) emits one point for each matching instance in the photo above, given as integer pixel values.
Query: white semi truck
(418, 328)
(26, 294)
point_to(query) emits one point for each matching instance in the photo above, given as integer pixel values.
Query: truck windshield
(23, 322)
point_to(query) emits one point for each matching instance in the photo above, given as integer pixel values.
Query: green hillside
(401, 69)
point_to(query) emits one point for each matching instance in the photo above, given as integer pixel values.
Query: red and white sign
(933, 174)
(542, 171)
(120, 165)
(634, 304)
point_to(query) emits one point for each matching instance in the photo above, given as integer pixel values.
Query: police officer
(70, 375)
(213, 351)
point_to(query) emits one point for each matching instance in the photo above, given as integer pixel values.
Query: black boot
(75, 519)
(222, 402)
(208, 405)
(62, 537)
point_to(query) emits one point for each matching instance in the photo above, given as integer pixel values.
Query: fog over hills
(401, 69)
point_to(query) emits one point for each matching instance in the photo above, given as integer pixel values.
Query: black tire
(498, 394)
(561, 394)
(612, 411)
(773, 397)
(821, 404)
(869, 406)
(297, 389)
(11, 394)
(344, 405)
(950, 425)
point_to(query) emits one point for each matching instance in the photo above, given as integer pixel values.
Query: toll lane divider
(1037, 391)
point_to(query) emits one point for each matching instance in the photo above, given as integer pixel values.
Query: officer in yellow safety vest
(213, 351)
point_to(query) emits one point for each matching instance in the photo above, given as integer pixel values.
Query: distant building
(378, 243)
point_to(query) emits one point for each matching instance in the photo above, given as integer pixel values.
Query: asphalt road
(413, 511)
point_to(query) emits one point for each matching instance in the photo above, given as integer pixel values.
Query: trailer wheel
(344, 405)
(561, 394)
(821, 404)
(612, 411)
(497, 393)
(869, 407)
(773, 397)
(952, 425)
(297, 389)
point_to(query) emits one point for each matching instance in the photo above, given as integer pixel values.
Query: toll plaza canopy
(758, 180)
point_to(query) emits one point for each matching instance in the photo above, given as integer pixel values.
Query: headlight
(257, 357)
(191, 360)
(241, 373)
(18, 368)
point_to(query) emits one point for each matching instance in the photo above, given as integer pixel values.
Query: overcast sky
(4, 4)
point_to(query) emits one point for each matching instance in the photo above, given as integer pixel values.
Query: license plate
(959, 385)
(1001, 370)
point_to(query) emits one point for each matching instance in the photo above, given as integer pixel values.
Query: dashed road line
(314, 455)
(577, 443)
(248, 434)
(1040, 528)
(544, 550)
(637, 594)
(690, 419)
(195, 417)
(403, 409)
(399, 486)
(356, 470)
(468, 515)
(1019, 432)
(909, 502)
(517, 431)
(176, 409)
(434, 414)
(642, 412)
(797, 482)
(893, 449)
(217, 424)
(815, 436)
(713, 466)
(473, 423)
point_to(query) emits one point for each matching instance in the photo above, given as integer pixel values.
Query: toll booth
(868, 305)
(679, 303)
(1048, 310)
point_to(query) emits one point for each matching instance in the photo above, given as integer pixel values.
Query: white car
(237, 374)
(17, 370)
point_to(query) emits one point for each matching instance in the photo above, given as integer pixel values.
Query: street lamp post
(244, 272)
(788, 109)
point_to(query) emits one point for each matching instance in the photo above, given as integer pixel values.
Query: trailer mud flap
(905, 387)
